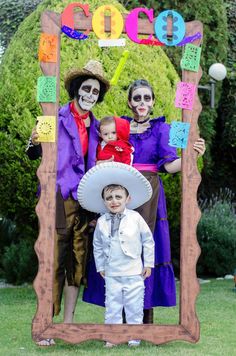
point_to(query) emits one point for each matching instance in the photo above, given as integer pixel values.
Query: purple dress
(151, 147)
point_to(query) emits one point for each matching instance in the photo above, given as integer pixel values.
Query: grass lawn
(216, 308)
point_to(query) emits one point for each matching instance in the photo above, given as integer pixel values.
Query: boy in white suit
(123, 244)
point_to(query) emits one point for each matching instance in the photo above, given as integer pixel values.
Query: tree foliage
(12, 13)
(225, 143)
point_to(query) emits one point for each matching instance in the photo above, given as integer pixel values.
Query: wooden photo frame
(188, 328)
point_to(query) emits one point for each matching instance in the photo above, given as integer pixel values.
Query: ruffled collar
(144, 129)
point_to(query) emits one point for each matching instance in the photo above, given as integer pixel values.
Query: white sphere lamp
(217, 71)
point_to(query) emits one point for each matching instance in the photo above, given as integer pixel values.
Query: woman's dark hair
(76, 84)
(137, 84)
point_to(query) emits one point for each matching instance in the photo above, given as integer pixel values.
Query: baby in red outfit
(114, 133)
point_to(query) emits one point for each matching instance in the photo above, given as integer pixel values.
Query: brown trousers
(70, 247)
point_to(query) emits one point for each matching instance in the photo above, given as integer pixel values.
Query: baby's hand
(106, 160)
(102, 273)
(146, 272)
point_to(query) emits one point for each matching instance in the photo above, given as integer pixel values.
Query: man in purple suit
(77, 143)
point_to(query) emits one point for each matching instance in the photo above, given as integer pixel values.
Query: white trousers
(124, 292)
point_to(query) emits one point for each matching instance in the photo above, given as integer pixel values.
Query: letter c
(131, 24)
(67, 17)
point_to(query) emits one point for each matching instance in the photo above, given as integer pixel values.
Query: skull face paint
(141, 102)
(88, 94)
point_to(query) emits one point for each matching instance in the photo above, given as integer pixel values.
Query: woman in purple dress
(152, 154)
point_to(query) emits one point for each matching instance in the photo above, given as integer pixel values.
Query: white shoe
(46, 342)
(109, 344)
(134, 343)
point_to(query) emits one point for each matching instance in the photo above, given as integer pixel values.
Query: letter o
(178, 27)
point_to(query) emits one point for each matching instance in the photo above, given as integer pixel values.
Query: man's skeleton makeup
(88, 94)
(141, 102)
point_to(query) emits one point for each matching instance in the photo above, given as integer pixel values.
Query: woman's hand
(200, 146)
(34, 137)
(146, 272)
(106, 160)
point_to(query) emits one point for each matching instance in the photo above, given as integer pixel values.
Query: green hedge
(20, 262)
(216, 235)
(7, 236)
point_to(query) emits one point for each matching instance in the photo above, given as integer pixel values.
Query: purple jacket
(71, 165)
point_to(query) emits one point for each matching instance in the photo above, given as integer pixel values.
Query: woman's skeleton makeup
(141, 102)
(88, 94)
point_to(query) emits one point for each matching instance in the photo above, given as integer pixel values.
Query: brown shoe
(148, 316)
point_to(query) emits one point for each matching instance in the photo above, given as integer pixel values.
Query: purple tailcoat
(149, 147)
(71, 165)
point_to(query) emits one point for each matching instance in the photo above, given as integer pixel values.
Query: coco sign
(164, 36)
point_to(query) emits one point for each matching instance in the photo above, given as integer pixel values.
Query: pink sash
(145, 167)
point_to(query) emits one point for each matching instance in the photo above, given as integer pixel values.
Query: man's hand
(102, 273)
(34, 137)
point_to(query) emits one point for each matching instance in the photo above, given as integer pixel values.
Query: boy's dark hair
(112, 187)
(76, 84)
(137, 84)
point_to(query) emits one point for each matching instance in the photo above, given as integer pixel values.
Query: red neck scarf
(83, 134)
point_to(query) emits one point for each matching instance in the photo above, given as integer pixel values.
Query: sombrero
(93, 69)
(97, 178)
